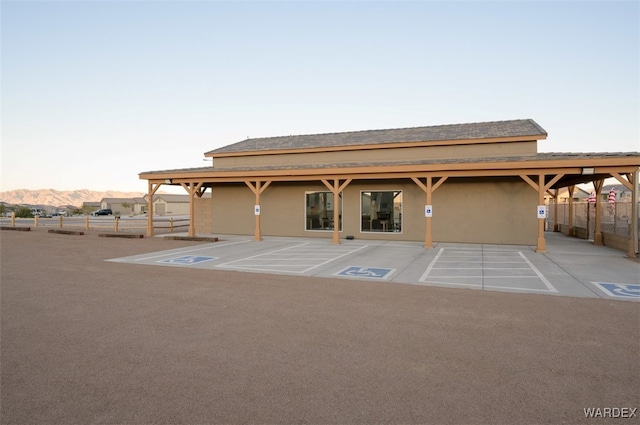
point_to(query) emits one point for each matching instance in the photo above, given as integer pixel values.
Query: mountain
(56, 198)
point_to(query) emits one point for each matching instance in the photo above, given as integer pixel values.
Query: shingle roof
(546, 156)
(482, 130)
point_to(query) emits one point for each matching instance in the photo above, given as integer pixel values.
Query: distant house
(125, 206)
(168, 204)
(90, 206)
(622, 193)
(578, 195)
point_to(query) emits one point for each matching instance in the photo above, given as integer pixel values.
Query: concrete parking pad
(568, 269)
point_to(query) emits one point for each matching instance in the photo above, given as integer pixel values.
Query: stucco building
(470, 183)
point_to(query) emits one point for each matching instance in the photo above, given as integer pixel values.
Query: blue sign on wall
(187, 260)
(366, 272)
(625, 290)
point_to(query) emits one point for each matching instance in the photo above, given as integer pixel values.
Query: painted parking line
(508, 270)
(619, 290)
(300, 258)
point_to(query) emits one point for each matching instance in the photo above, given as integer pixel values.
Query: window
(319, 211)
(381, 211)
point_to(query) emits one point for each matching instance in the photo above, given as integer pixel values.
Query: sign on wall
(542, 211)
(428, 210)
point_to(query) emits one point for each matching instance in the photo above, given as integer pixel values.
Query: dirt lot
(85, 341)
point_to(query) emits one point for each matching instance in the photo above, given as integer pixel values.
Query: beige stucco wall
(161, 207)
(500, 211)
(203, 215)
(373, 155)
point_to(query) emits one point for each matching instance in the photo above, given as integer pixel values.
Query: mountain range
(57, 198)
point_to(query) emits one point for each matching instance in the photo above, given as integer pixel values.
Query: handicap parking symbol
(365, 272)
(621, 290)
(187, 260)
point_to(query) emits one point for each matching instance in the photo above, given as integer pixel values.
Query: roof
(483, 130)
(555, 156)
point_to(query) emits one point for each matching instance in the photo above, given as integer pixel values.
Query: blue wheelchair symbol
(366, 272)
(187, 260)
(626, 290)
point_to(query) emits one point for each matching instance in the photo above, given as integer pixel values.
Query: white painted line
(258, 267)
(430, 267)
(340, 256)
(479, 285)
(265, 253)
(189, 250)
(540, 275)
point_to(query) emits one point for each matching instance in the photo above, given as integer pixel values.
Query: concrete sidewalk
(89, 341)
(571, 267)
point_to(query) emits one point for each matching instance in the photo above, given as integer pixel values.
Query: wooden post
(153, 187)
(257, 189)
(556, 225)
(597, 237)
(115, 227)
(35, 221)
(257, 235)
(541, 187)
(13, 219)
(87, 223)
(634, 246)
(428, 187)
(171, 225)
(336, 188)
(192, 188)
(541, 246)
(60, 221)
(571, 231)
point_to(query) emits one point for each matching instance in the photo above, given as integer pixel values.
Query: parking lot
(138, 331)
(571, 267)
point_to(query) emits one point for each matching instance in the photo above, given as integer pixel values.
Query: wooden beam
(153, 188)
(626, 182)
(528, 180)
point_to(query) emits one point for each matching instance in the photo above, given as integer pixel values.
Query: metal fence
(614, 217)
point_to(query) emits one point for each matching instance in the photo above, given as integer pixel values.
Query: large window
(319, 211)
(381, 211)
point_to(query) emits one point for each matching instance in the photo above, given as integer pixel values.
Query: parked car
(104, 211)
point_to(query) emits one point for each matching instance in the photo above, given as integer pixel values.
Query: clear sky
(95, 92)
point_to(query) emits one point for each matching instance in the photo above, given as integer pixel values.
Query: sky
(95, 92)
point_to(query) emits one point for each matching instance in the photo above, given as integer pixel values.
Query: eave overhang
(571, 165)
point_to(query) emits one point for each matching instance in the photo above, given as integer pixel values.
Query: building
(467, 183)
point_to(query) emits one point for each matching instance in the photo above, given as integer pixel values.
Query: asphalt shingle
(484, 130)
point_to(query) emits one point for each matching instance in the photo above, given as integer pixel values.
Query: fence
(114, 224)
(615, 219)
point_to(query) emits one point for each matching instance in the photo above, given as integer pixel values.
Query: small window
(381, 211)
(319, 211)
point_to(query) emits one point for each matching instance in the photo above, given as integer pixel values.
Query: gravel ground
(84, 341)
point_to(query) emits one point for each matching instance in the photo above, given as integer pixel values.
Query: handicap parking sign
(187, 260)
(366, 272)
(622, 290)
